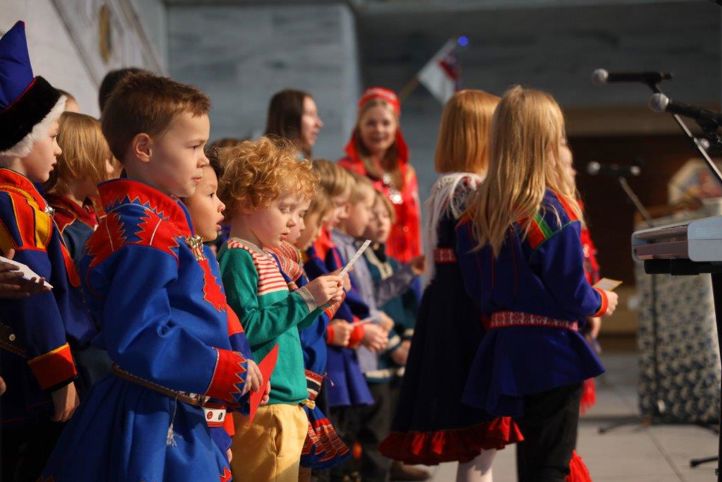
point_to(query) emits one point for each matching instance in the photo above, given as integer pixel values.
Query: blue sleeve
(143, 333)
(559, 263)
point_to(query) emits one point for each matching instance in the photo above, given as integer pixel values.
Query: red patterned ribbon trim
(444, 256)
(506, 319)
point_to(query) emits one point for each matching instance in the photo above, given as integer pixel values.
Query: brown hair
(257, 172)
(85, 152)
(284, 116)
(463, 144)
(146, 103)
(213, 152)
(113, 78)
(390, 162)
(333, 179)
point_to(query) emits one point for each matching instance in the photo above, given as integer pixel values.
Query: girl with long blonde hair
(447, 331)
(522, 262)
(72, 188)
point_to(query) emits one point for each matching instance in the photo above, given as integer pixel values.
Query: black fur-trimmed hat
(28, 104)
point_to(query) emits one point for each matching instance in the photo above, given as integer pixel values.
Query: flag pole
(408, 88)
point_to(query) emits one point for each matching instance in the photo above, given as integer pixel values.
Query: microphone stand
(658, 405)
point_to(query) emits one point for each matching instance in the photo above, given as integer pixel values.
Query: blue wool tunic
(540, 273)
(163, 318)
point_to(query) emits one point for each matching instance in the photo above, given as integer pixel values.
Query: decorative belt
(505, 319)
(185, 397)
(444, 256)
(313, 384)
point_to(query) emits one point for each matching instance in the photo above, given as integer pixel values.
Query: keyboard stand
(683, 267)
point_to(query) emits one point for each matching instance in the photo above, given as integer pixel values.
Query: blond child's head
(463, 143)
(85, 160)
(383, 216)
(360, 205)
(527, 135)
(314, 219)
(157, 128)
(336, 183)
(265, 189)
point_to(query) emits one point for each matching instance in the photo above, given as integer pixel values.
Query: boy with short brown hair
(162, 314)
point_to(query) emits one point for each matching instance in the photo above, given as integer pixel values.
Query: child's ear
(142, 147)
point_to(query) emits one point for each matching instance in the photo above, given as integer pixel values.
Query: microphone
(707, 118)
(615, 170)
(601, 77)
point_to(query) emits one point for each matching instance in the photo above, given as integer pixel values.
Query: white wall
(52, 51)
(63, 41)
(241, 56)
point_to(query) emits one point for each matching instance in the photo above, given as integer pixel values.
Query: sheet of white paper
(28, 273)
(607, 284)
(355, 257)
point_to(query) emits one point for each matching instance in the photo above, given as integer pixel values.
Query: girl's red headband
(387, 95)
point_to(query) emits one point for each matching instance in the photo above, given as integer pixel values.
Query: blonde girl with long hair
(72, 188)
(522, 263)
(447, 331)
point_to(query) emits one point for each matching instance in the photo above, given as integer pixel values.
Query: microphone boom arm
(696, 141)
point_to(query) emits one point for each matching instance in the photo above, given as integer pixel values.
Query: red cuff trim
(54, 368)
(333, 308)
(229, 376)
(357, 335)
(605, 303)
(329, 334)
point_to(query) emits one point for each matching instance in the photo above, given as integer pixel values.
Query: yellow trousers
(269, 450)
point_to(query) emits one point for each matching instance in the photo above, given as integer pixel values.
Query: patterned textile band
(9, 342)
(189, 398)
(444, 256)
(505, 319)
(313, 384)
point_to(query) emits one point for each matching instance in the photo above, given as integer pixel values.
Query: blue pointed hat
(26, 102)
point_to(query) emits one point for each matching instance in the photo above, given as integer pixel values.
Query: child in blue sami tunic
(206, 212)
(163, 316)
(323, 448)
(37, 334)
(522, 263)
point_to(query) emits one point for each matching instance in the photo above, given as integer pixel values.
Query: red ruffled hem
(578, 471)
(432, 448)
(589, 395)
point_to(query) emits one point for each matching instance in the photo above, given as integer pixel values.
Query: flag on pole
(441, 74)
